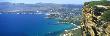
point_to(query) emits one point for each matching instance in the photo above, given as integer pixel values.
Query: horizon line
(41, 2)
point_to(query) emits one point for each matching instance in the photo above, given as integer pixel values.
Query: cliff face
(92, 23)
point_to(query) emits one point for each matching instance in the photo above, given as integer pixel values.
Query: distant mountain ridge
(37, 6)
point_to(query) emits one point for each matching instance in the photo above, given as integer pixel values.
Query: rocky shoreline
(95, 21)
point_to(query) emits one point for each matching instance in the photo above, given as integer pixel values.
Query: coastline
(72, 32)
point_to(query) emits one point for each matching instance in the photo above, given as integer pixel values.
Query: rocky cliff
(96, 19)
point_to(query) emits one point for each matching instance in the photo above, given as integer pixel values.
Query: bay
(29, 25)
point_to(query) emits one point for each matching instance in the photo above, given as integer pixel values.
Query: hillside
(96, 19)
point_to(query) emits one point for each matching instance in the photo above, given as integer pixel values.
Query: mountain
(7, 6)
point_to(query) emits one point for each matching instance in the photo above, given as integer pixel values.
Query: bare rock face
(92, 24)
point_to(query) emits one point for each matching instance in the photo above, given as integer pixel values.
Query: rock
(92, 20)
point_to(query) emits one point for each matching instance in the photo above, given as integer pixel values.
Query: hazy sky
(46, 1)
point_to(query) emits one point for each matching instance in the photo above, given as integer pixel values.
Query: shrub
(106, 16)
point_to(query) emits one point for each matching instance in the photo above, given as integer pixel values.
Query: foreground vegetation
(96, 18)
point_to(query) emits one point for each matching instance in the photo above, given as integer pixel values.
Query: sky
(46, 1)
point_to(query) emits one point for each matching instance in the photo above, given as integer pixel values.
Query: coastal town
(64, 13)
(95, 21)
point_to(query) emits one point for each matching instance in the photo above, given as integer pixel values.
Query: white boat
(17, 13)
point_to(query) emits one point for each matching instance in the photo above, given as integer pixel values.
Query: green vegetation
(106, 16)
(93, 3)
(77, 32)
(75, 20)
(100, 14)
(103, 0)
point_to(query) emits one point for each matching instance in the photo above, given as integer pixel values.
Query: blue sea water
(30, 25)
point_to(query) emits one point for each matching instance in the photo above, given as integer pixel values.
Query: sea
(17, 24)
